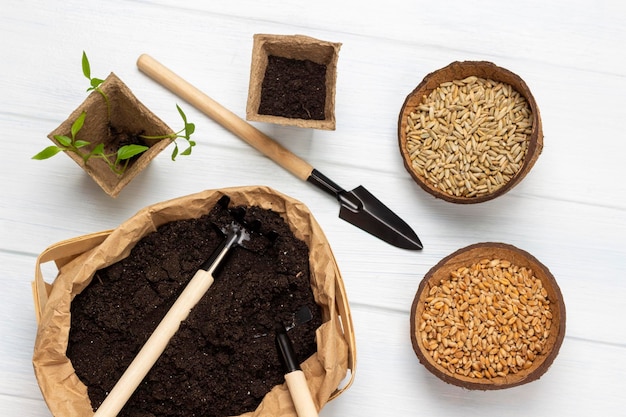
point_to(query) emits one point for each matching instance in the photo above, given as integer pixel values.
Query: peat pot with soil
(113, 289)
(292, 81)
(112, 136)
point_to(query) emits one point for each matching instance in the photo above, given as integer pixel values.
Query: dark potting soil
(293, 88)
(119, 138)
(223, 359)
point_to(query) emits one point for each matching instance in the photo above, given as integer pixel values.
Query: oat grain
(479, 125)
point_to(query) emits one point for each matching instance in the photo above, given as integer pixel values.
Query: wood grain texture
(569, 211)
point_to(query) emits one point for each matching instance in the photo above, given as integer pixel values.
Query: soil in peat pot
(223, 359)
(118, 138)
(293, 88)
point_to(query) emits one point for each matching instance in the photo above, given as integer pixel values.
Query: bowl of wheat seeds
(488, 316)
(470, 132)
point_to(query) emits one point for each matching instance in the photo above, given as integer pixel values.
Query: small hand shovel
(358, 207)
(294, 377)
(156, 343)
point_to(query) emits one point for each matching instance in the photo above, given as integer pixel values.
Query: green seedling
(117, 162)
(188, 131)
(95, 82)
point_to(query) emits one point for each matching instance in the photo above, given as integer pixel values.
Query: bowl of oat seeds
(488, 316)
(470, 132)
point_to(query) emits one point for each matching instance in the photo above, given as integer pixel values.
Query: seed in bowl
(469, 137)
(488, 320)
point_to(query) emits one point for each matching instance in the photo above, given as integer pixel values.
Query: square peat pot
(118, 125)
(293, 81)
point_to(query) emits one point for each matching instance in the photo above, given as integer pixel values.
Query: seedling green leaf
(49, 152)
(78, 124)
(182, 114)
(86, 67)
(95, 82)
(190, 128)
(64, 140)
(128, 151)
(98, 150)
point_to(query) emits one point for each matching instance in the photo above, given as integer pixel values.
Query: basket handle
(61, 253)
(345, 321)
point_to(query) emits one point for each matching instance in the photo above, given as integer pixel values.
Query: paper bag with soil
(66, 394)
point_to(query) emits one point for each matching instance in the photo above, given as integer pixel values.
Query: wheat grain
(488, 320)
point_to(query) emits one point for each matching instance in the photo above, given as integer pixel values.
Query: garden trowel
(358, 206)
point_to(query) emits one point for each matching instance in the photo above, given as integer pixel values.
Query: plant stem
(170, 136)
(106, 100)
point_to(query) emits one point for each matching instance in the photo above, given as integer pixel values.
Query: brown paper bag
(78, 259)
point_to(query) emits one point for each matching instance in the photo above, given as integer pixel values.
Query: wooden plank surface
(570, 211)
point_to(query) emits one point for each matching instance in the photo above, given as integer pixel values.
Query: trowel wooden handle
(154, 347)
(300, 394)
(224, 117)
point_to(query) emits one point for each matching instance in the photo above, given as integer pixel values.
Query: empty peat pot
(488, 316)
(470, 132)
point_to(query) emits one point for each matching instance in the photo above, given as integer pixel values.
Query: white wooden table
(570, 211)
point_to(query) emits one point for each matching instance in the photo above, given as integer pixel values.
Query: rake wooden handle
(157, 342)
(224, 117)
(155, 345)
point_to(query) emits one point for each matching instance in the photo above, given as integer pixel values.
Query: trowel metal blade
(365, 211)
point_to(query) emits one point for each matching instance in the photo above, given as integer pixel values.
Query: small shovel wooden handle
(300, 394)
(225, 117)
(294, 377)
